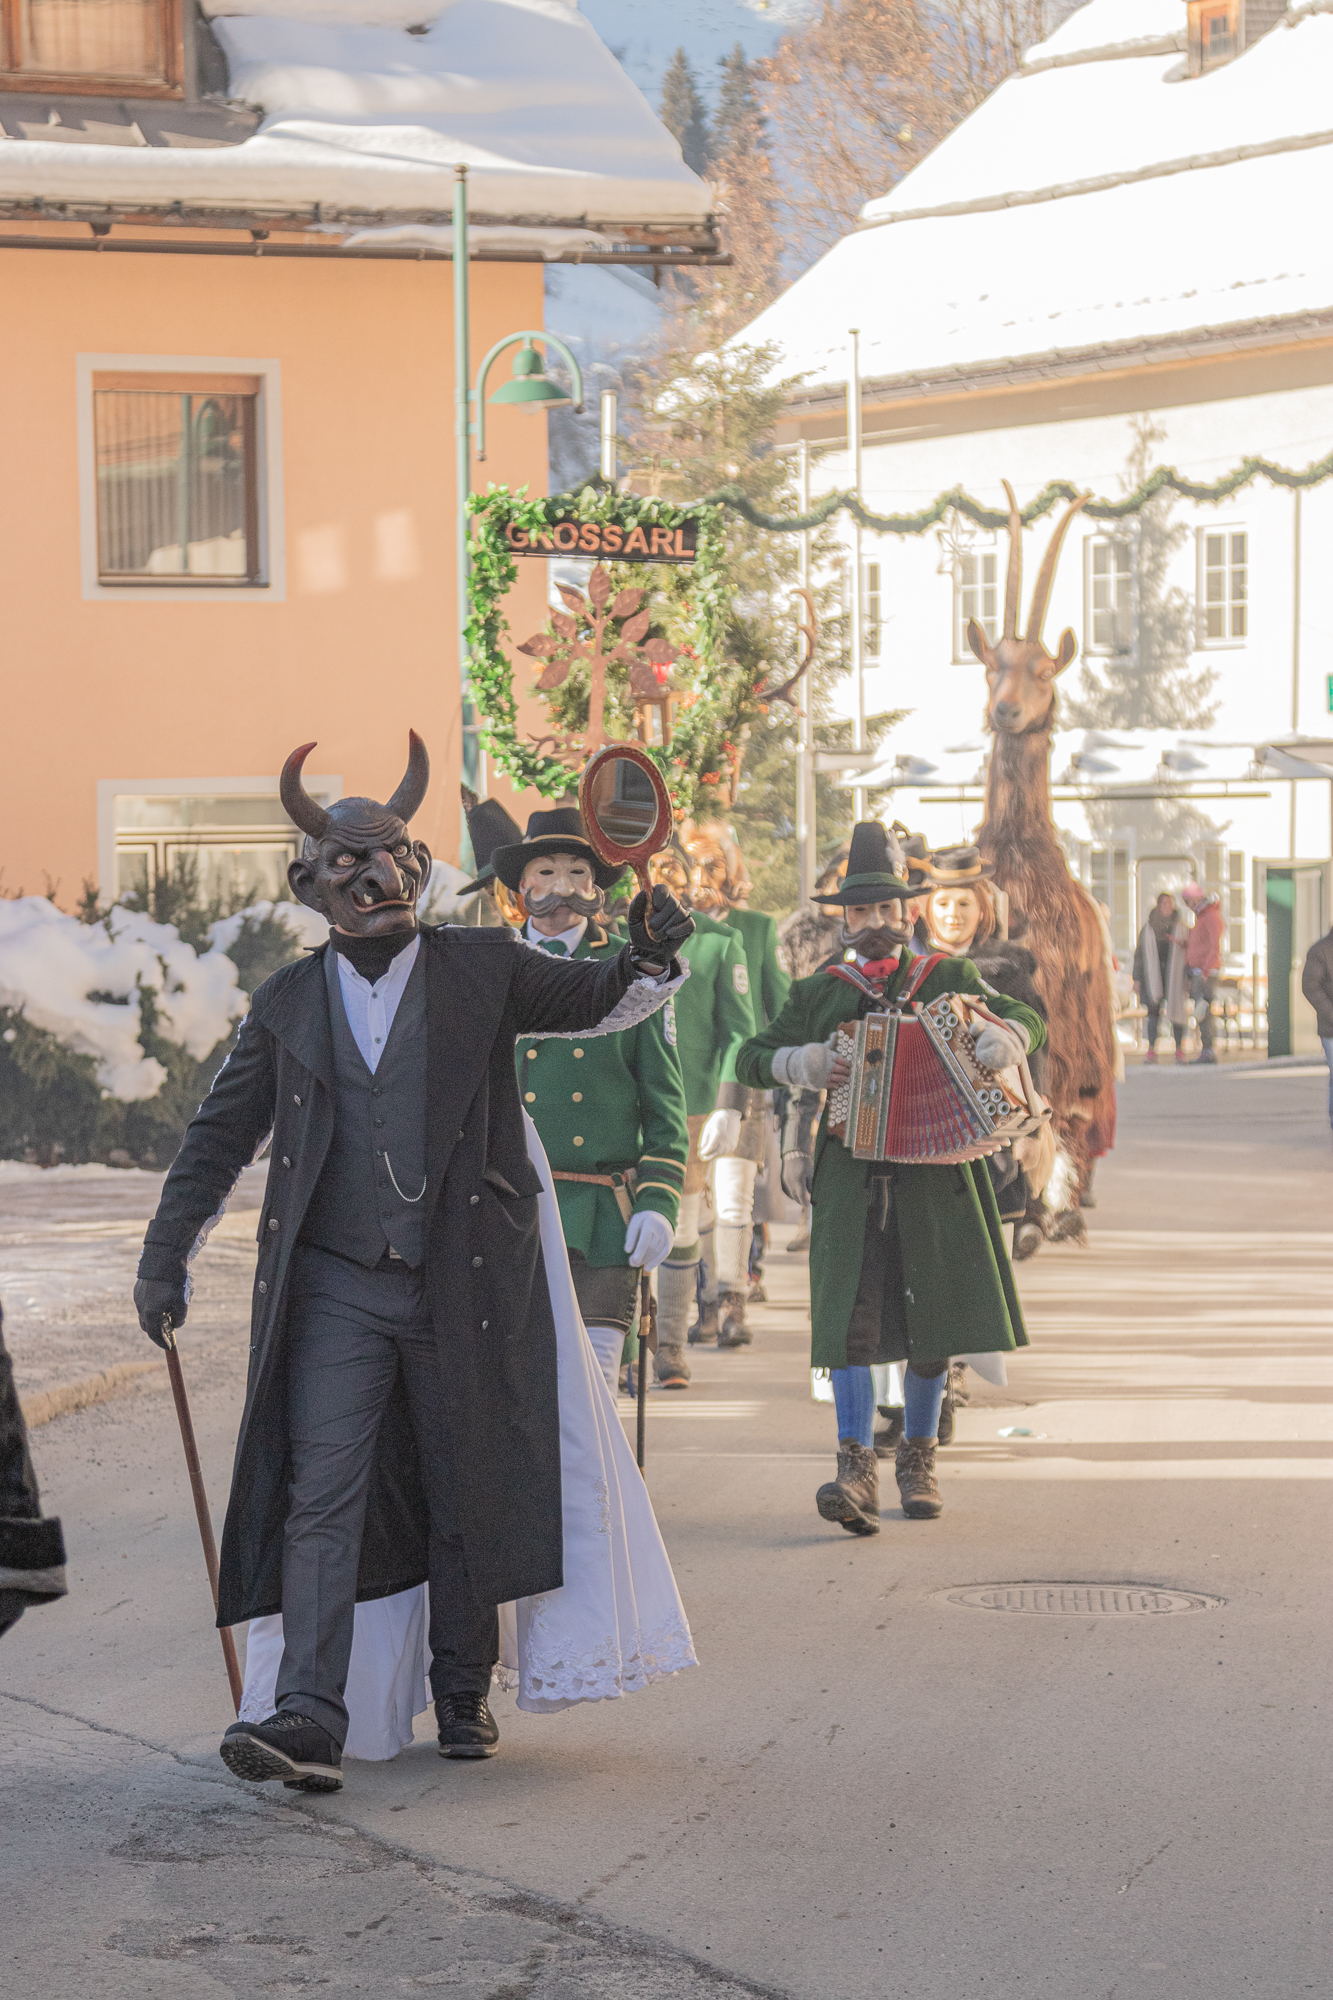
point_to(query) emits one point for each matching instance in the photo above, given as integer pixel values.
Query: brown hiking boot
(732, 1330)
(852, 1499)
(671, 1368)
(917, 1485)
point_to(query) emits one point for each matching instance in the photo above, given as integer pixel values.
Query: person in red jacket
(1203, 961)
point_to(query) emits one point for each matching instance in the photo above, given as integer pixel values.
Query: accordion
(917, 1094)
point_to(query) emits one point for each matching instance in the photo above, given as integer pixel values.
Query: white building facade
(1119, 262)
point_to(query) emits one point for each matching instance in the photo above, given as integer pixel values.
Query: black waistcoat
(376, 1162)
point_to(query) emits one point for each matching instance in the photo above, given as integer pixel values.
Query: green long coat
(958, 1287)
(769, 984)
(711, 1012)
(604, 1103)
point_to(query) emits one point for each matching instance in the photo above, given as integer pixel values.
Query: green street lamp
(531, 389)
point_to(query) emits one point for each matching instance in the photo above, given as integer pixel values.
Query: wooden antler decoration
(809, 631)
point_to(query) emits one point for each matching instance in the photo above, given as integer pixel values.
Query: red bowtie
(879, 968)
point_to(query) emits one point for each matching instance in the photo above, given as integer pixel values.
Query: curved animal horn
(1046, 574)
(296, 800)
(415, 779)
(1013, 583)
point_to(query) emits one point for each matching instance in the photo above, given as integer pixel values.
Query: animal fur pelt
(807, 939)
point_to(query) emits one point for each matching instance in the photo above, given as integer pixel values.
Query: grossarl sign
(608, 539)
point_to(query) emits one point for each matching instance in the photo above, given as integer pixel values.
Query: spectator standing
(1159, 972)
(1203, 962)
(1317, 986)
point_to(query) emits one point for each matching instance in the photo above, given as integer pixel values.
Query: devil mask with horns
(359, 866)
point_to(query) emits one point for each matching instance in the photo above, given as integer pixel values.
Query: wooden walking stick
(647, 1346)
(200, 1501)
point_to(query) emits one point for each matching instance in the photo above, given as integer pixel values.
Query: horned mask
(359, 866)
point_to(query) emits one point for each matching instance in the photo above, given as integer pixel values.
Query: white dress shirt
(370, 1009)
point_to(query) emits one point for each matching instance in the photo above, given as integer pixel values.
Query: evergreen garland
(1163, 479)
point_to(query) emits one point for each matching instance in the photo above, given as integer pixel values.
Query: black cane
(647, 1346)
(205, 1519)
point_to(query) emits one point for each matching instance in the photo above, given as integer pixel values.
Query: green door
(1281, 909)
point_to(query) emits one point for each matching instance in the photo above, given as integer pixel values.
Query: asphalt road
(864, 1787)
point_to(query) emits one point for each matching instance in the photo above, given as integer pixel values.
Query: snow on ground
(362, 116)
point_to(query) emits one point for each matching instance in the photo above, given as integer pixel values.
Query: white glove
(1001, 1048)
(721, 1134)
(805, 1067)
(648, 1239)
(797, 1176)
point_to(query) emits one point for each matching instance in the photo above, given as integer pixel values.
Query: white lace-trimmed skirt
(616, 1624)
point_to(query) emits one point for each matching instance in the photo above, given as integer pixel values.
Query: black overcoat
(484, 1271)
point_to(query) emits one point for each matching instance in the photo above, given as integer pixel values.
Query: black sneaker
(290, 1747)
(467, 1727)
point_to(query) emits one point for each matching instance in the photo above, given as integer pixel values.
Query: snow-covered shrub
(112, 1031)
(84, 984)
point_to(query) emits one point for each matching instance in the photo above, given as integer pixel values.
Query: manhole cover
(1077, 1600)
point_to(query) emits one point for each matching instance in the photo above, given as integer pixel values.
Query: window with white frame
(976, 588)
(226, 851)
(1108, 594)
(1109, 875)
(177, 480)
(870, 599)
(1224, 570)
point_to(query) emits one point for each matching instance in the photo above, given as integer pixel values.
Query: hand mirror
(625, 808)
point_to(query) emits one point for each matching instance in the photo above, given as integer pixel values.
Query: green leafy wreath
(720, 697)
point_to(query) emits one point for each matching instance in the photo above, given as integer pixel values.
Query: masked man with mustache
(610, 1111)
(907, 1263)
(401, 1420)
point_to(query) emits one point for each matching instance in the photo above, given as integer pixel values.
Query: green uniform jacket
(769, 984)
(712, 1012)
(604, 1103)
(959, 1295)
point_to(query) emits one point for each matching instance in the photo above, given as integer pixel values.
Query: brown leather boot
(852, 1499)
(732, 1330)
(917, 1485)
(671, 1368)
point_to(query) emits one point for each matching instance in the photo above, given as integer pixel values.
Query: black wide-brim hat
(557, 832)
(489, 826)
(870, 877)
(957, 868)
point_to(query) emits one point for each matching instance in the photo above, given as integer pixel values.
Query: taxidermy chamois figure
(1050, 912)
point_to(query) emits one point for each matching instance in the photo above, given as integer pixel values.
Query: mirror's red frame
(638, 856)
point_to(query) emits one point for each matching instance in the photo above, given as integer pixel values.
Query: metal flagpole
(202, 1515)
(858, 572)
(806, 835)
(608, 436)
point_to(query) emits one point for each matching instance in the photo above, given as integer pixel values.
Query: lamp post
(530, 389)
(858, 574)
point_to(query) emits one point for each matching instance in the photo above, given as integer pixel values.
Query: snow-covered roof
(366, 121)
(1101, 199)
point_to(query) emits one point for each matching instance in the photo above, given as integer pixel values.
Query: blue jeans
(1327, 1041)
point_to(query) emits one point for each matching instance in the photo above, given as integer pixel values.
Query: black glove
(798, 1172)
(155, 1300)
(656, 934)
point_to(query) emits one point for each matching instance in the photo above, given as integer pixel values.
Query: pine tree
(739, 126)
(683, 112)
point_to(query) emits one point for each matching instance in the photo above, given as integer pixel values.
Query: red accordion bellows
(917, 1094)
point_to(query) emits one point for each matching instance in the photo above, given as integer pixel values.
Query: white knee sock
(733, 1192)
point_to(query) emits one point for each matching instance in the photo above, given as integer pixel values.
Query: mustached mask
(359, 866)
(880, 940)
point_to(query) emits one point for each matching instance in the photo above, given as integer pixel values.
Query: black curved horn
(413, 788)
(296, 800)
